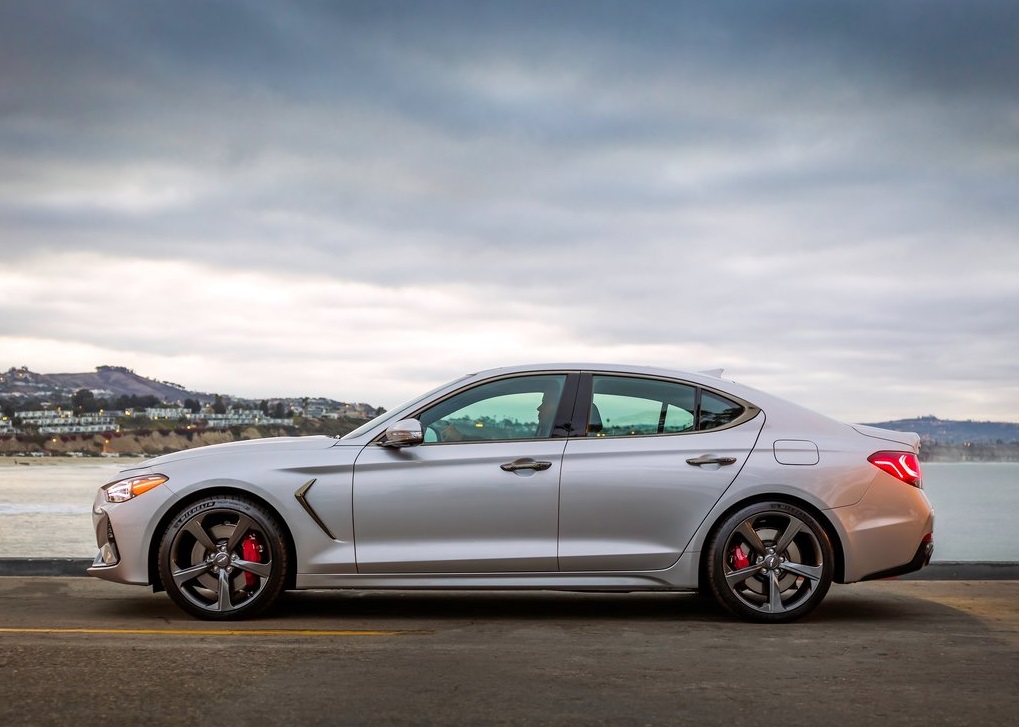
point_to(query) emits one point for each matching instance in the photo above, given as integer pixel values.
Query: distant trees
(83, 401)
(14, 406)
(277, 410)
(218, 406)
(132, 401)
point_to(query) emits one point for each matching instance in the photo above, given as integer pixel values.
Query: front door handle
(710, 459)
(525, 464)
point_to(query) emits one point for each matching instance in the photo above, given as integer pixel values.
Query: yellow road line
(212, 632)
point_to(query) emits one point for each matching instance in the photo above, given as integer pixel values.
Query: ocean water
(45, 509)
(975, 509)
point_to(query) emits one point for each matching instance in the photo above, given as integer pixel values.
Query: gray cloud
(788, 186)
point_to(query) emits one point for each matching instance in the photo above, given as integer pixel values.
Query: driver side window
(508, 409)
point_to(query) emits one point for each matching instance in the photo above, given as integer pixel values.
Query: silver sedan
(568, 477)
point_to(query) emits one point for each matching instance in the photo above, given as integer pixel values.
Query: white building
(76, 428)
(244, 418)
(167, 412)
(58, 421)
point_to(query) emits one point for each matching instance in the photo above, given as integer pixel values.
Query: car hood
(248, 447)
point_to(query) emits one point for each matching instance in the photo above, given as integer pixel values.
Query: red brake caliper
(740, 560)
(252, 551)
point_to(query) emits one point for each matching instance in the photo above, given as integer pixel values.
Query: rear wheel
(770, 562)
(223, 557)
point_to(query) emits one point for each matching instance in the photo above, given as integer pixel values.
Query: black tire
(770, 562)
(203, 561)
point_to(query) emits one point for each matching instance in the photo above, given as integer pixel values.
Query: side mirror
(404, 433)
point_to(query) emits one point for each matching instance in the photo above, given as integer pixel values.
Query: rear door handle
(710, 459)
(525, 464)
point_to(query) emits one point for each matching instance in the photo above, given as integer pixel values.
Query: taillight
(904, 466)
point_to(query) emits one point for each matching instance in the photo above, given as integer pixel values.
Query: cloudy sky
(363, 200)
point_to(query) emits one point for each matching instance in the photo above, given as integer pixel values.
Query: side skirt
(680, 577)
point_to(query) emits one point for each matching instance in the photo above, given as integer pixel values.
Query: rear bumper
(886, 532)
(920, 560)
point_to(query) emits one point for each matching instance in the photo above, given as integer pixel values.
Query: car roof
(706, 376)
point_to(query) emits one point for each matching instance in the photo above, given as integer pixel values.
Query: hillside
(104, 381)
(955, 432)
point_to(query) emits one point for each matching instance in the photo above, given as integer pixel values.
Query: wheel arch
(829, 528)
(217, 490)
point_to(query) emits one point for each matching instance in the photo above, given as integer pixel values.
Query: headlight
(124, 490)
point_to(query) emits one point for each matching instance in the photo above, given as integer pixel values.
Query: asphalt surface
(82, 651)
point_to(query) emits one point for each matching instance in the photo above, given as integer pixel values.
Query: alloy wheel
(770, 562)
(223, 558)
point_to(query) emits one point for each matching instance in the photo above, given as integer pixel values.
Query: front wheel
(223, 557)
(770, 562)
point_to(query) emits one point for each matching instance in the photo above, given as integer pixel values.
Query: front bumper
(108, 554)
(124, 531)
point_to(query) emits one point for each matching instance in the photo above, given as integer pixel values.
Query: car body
(565, 476)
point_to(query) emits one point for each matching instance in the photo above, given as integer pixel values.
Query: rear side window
(623, 406)
(717, 411)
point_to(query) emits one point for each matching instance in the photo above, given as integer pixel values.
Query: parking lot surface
(86, 652)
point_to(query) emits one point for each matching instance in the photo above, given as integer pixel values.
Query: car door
(481, 494)
(656, 456)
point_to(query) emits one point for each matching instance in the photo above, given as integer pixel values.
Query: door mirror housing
(404, 433)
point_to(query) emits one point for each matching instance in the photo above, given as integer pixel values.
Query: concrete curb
(966, 570)
(936, 571)
(44, 566)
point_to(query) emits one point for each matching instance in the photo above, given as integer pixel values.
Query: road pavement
(87, 652)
